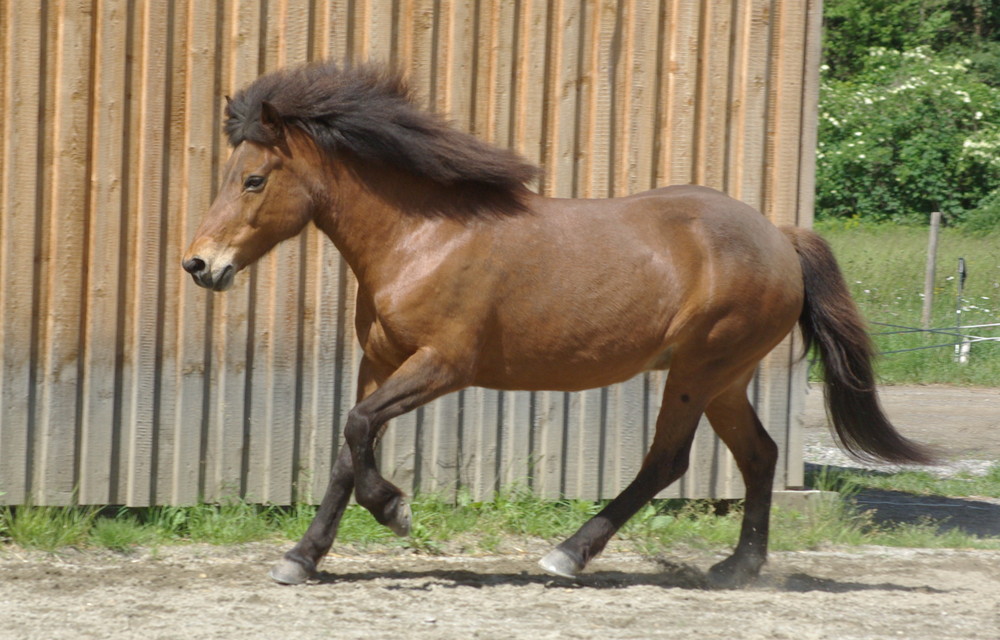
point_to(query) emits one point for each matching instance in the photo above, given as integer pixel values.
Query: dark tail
(831, 321)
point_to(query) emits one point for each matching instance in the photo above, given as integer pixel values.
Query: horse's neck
(365, 221)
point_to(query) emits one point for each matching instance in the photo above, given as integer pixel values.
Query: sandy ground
(212, 592)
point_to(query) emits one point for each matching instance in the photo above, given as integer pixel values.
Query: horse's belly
(572, 372)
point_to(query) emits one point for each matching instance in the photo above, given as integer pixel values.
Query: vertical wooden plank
(377, 27)
(620, 80)
(504, 21)
(141, 393)
(483, 92)
(561, 76)
(551, 425)
(678, 90)
(63, 257)
(528, 113)
(713, 94)
(812, 56)
(167, 437)
(785, 120)
(440, 466)
(638, 64)
(22, 90)
(232, 331)
(105, 269)
(415, 48)
(624, 450)
(748, 109)
(458, 48)
(196, 108)
(594, 87)
(484, 446)
(332, 29)
(515, 454)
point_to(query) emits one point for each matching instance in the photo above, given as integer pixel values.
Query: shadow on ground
(976, 517)
(979, 517)
(671, 575)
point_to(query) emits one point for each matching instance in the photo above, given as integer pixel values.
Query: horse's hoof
(560, 563)
(290, 572)
(402, 518)
(731, 574)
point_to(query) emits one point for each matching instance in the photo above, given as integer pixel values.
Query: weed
(121, 533)
(47, 528)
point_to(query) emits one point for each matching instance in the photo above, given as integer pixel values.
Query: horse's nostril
(193, 265)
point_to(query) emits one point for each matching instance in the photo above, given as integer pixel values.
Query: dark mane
(369, 111)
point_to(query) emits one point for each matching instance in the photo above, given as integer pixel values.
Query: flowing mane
(370, 111)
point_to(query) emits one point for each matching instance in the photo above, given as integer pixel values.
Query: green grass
(484, 526)
(850, 481)
(884, 267)
(47, 528)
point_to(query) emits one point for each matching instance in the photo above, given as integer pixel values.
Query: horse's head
(265, 197)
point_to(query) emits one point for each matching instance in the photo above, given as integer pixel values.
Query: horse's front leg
(300, 563)
(421, 378)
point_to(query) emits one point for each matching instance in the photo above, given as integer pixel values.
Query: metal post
(963, 345)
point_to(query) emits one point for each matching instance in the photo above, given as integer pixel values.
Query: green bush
(913, 132)
(985, 218)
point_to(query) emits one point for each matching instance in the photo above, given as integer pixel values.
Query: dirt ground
(211, 592)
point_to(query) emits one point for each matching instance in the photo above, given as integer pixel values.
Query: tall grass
(884, 266)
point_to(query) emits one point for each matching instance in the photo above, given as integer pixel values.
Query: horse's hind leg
(666, 461)
(734, 420)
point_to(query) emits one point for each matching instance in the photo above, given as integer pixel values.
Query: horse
(466, 277)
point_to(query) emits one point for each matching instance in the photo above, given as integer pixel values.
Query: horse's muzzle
(205, 276)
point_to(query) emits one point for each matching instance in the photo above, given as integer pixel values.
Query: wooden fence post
(929, 272)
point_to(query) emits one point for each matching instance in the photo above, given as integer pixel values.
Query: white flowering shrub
(911, 133)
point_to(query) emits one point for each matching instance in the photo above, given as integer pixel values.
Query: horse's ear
(271, 120)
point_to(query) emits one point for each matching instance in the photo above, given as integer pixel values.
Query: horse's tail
(831, 321)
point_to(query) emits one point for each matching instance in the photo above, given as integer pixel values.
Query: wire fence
(963, 339)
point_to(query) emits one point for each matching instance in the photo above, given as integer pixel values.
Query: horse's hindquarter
(597, 291)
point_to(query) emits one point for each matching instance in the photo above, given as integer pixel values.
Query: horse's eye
(254, 183)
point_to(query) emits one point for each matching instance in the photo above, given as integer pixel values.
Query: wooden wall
(121, 382)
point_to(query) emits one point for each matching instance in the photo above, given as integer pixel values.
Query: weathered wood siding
(121, 382)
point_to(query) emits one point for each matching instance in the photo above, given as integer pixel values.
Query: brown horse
(468, 278)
